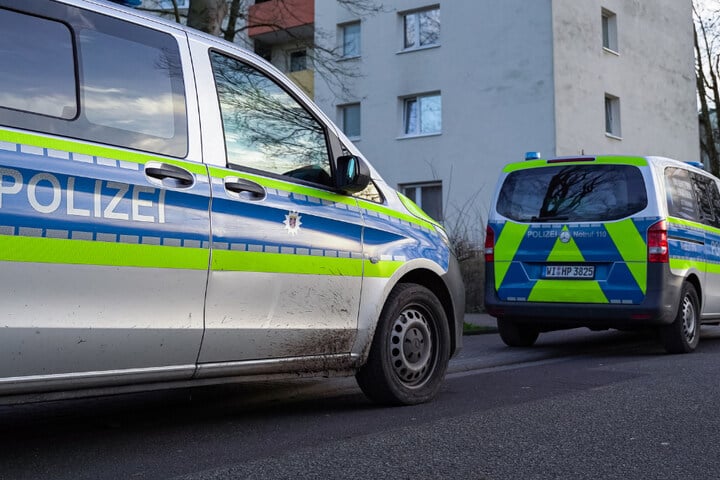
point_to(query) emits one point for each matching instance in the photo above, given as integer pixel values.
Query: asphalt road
(577, 405)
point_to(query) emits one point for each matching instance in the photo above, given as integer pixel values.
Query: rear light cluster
(489, 245)
(657, 242)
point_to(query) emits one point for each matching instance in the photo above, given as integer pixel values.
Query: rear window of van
(572, 193)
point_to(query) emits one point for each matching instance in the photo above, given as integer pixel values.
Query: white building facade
(451, 91)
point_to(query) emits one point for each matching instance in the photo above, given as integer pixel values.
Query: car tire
(410, 349)
(683, 334)
(515, 335)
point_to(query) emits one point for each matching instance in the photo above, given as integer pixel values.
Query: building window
(351, 40)
(422, 115)
(427, 195)
(609, 30)
(422, 28)
(350, 119)
(298, 60)
(612, 115)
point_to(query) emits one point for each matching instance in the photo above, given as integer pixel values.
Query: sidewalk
(480, 319)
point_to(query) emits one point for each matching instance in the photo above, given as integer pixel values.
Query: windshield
(572, 193)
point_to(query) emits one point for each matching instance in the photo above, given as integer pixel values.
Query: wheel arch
(693, 280)
(433, 282)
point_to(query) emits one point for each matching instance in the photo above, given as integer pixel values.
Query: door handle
(244, 189)
(170, 175)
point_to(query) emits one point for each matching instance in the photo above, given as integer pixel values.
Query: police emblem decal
(292, 223)
(565, 236)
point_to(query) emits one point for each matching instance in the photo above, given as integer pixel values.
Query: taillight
(657, 242)
(489, 244)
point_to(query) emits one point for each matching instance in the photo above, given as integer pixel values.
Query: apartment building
(451, 91)
(441, 94)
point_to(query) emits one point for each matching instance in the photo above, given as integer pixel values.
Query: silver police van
(174, 211)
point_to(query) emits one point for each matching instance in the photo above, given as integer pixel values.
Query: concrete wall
(493, 69)
(516, 76)
(652, 74)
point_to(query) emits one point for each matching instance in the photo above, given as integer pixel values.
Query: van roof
(639, 161)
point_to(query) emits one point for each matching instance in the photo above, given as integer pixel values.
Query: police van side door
(103, 246)
(287, 262)
(708, 195)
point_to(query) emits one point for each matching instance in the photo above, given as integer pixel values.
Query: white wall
(516, 76)
(653, 75)
(494, 72)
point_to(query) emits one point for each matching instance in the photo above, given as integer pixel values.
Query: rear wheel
(683, 335)
(516, 335)
(410, 350)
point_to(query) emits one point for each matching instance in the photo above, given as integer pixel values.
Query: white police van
(604, 242)
(174, 210)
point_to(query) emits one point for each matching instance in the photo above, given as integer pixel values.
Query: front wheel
(410, 349)
(683, 335)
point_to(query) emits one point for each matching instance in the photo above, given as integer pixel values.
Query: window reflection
(266, 128)
(38, 66)
(573, 193)
(148, 96)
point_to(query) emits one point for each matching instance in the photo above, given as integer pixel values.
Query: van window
(572, 193)
(31, 45)
(91, 77)
(680, 195)
(265, 128)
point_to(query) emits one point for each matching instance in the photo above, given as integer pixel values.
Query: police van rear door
(572, 230)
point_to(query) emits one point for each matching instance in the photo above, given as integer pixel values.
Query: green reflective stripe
(713, 268)
(506, 246)
(616, 160)
(689, 224)
(414, 209)
(87, 252)
(565, 252)
(395, 214)
(94, 150)
(382, 269)
(513, 167)
(567, 291)
(605, 160)
(284, 186)
(632, 248)
(240, 261)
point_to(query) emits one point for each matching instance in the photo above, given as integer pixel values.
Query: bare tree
(230, 18)
(707, 57)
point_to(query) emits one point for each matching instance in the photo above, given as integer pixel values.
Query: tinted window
(129, 79)
(38, 66)
(572, 193)
(680, 195)
(265, 128)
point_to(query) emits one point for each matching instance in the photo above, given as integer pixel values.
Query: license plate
(569, 271)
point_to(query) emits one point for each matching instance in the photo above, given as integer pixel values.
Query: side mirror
(353, 175)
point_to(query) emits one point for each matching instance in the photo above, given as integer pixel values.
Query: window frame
(609, 31)
(305, 56)
(343, 30)
(280, 84)
(343, 109)
(80, 127)
(415, 16)
(405, 118)
(613, 125)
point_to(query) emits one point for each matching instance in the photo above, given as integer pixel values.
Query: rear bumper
(658, 308)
